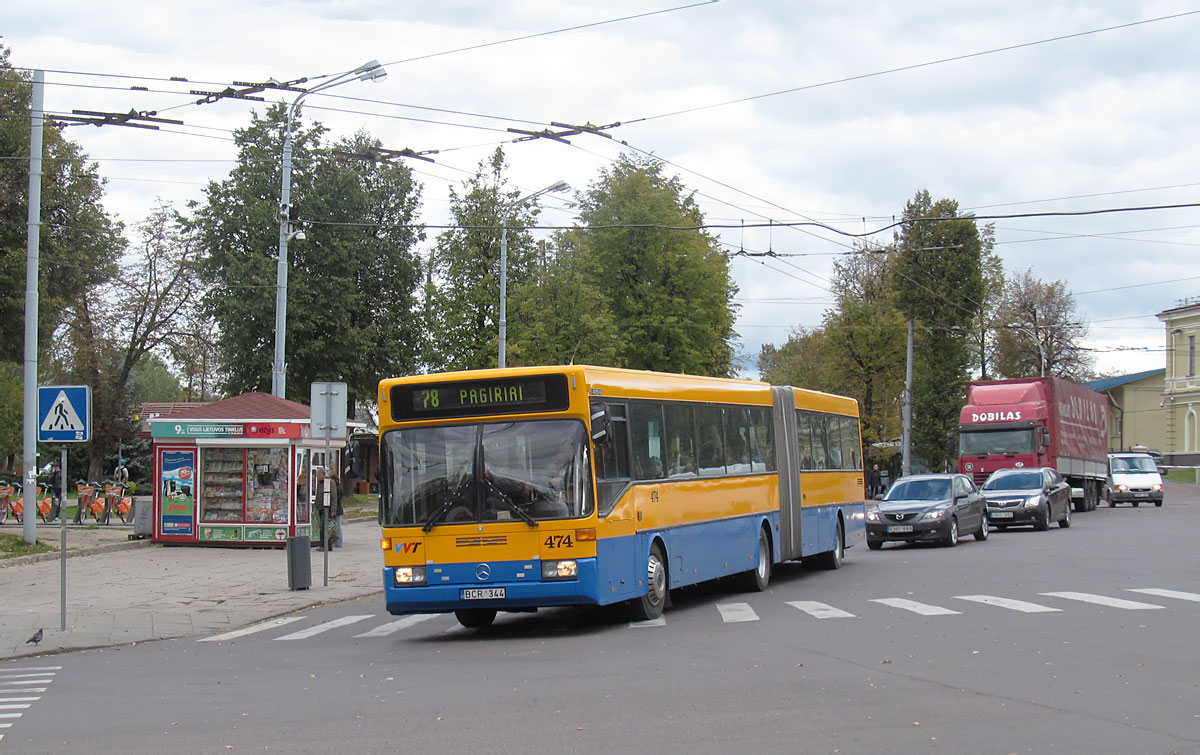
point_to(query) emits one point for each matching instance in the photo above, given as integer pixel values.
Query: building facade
(1137, 415)
(1181, 389)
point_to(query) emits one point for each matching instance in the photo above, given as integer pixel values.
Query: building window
(1191, 356)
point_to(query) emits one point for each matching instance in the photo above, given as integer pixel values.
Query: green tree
(669, 291)
(112, 330)
(983, 330)
(151, 380)
(865, 336)
(463, 295)
(78, 242)
(938, 284)
(352, 311)
(803, 361)
(1038, 331)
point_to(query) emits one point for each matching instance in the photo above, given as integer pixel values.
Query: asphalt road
(1085, 662)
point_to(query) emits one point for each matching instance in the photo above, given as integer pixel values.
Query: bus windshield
(505, 471)
(991, 442)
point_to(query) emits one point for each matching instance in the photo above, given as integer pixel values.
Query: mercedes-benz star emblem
(483, 572)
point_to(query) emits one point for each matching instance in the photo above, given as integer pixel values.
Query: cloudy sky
(772, 111)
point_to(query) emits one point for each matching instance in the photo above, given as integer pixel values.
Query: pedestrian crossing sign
(64, 413)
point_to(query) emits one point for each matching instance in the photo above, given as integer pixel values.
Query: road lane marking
(25, 681)
(4, 676)
(385, 630)
(20, 699)
(820, 610)
(21, 706)
(272, 624)
(1015, 605)
(10, 715)
(734, 612)
(304, 634)
(911, 605)
(4, 672)
(1103, 600)
(661, 621)
(1166, 593)
(23, 690)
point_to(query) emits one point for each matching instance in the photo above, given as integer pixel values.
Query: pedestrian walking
(338, 511)
(874, 481)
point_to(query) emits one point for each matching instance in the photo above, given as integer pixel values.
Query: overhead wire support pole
(32, 249)
(370, 71)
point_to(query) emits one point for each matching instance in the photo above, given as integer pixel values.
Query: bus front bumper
(453, 587)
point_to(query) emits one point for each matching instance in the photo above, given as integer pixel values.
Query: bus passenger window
(819, 441)
(612, 457)
(763, 447)
(851, 443)
(711, 454)
(737, 440)
(833, 429)
(804, 438)
(681, 440)
(646, 434)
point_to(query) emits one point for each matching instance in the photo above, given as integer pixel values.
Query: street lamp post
(1040, 347)
(556, 186)
(371, 71)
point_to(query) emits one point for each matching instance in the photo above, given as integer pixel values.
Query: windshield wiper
(508, 502)
(448, 504)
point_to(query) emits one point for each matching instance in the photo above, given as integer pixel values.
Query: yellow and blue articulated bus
(515, 489)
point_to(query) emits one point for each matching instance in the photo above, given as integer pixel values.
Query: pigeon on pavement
(36, 638)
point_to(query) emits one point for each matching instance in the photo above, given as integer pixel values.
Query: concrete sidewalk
(142, 591)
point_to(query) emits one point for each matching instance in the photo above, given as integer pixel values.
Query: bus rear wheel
(651, 605)
(476, 618)
(756, 579)
(831, 560)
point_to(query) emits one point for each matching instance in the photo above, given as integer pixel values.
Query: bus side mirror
(601, 424)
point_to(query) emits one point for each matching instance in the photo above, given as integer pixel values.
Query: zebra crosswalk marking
(385, 630)
(1015, 605)
(304, 634)
(1177, 594)
(911, 605)
(661, 621)
(272, 624)
(1103, 600)
(734, 612)
(820, 610)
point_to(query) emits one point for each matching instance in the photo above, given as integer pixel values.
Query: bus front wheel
(476, 618)
(650, 606)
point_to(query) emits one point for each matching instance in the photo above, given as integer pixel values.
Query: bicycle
(6, 494)
(90, 502)
(43, 506)
(116, 500)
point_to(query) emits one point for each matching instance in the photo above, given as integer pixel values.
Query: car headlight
(1121, 488)
(407, 576)
(873, 516)
(567, 569)
(1033, 501)
(935, 514)
(1157, 487)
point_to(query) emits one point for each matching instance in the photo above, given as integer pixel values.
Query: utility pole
(32, 249)
(906, 439)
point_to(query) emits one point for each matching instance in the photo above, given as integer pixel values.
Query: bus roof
(626, 383)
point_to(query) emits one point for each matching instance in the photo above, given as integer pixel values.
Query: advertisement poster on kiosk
(178, 493)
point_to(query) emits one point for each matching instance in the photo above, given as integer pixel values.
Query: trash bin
(299, 563)
(143, 517)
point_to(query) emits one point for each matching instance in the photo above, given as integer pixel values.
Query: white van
(1133, 478)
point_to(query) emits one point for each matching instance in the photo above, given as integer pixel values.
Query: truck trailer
(1036, 422)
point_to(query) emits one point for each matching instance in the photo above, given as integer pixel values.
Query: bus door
(788, 462)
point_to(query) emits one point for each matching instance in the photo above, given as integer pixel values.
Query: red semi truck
(1036, 422)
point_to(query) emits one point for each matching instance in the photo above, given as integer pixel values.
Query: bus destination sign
(480, 397)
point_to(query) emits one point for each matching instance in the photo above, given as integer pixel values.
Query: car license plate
(1141, 495)
(900, 528)
(1001, 515)
(483, 593)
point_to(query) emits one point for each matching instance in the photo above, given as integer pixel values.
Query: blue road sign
(64, 413)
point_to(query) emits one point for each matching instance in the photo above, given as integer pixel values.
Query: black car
(928, 508)
(1035, 496)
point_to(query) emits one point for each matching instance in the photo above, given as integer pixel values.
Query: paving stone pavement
(121, 591)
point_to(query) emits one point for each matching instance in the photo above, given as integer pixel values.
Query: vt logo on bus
(406, 547)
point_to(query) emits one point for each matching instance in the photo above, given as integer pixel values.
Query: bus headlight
(567, 569)
(407, 576)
